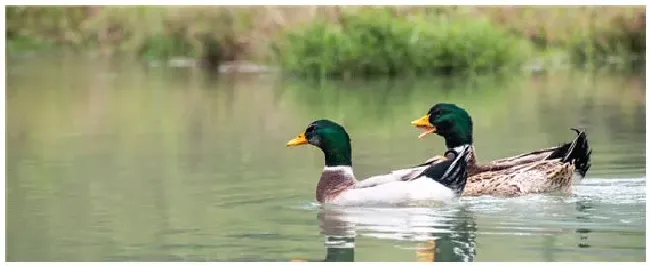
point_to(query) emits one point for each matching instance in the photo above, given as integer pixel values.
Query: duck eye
(310, 129)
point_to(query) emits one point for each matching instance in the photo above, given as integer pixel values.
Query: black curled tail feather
(577, 152)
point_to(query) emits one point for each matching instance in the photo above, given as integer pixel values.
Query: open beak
(299, 140)
(423, 122)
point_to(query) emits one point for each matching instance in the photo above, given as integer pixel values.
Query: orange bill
(423, 122)
(299, 140)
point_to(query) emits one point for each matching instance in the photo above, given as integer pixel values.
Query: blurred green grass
(336, 40)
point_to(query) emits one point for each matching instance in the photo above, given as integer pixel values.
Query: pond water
(116, 161)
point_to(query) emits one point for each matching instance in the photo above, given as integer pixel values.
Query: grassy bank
(338, 41)
(379, 41)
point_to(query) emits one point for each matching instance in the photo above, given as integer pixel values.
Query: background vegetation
(340, 41)
(377, 41)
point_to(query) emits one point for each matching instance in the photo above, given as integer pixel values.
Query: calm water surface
(110, 161)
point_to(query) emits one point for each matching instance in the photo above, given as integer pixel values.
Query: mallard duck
(441, 182)
(546, 170)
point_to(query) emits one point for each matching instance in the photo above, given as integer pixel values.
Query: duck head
(449, 121)
(331, 138)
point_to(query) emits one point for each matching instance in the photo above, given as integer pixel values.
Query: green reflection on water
(114, 161)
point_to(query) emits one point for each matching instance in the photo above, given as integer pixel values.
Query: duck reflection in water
(584, 212)
(442, 235)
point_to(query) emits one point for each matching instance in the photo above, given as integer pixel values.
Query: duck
(547, 170)
(438, 183)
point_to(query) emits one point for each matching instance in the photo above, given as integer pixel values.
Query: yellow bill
(423, 122)
(299, 140)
